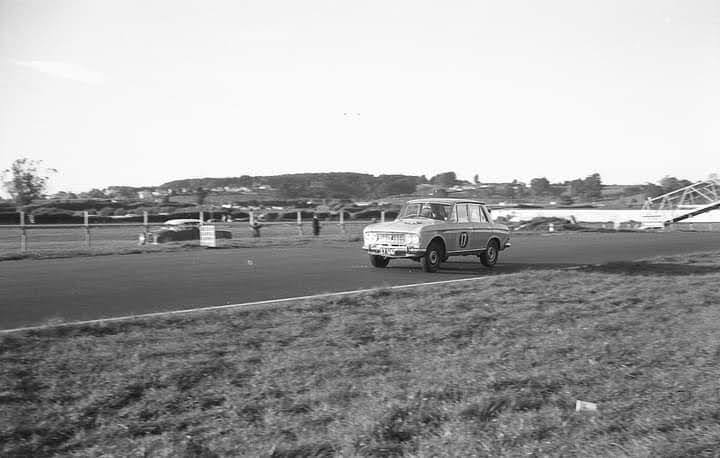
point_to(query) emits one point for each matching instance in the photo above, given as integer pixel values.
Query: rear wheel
(379, 261)
(433, 256)
(490, 256)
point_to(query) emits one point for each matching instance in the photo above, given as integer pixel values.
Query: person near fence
(255, 226)
(316, 225)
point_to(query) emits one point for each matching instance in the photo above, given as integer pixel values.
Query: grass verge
(489, 368)
(123, 248)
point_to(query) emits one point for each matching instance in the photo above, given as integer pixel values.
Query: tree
(670, 184)
(444, 179)
(396, 185)
(200, 195)
(566, 199)
(26, 180)
(519, 188)
(592, 186)
(106, 211)
(96, 194)
(576, 187)
(476, 179)
(540, 186)
(588, 188)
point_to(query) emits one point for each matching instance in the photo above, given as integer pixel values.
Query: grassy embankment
(70, 242)
(487, 367)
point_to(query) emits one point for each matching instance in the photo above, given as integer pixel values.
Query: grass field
(491, 367)
(61, 242)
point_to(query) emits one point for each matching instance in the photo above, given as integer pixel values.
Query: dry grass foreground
(486, 368)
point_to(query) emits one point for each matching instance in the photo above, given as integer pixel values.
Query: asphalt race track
(34, 292)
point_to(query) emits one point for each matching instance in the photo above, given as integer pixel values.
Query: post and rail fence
(90, 230)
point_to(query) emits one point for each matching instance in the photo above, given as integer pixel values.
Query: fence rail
(121, 235)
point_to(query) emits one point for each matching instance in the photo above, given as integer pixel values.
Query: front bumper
(394, 251)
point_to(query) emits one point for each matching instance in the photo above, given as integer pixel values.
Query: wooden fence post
(86, 219)
(342, 220)
(23, 233)
(201, 217)
(299, 223)
(146, 226)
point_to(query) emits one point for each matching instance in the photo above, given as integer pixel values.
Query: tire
(430, 262)
(489, 257)
(379, 261)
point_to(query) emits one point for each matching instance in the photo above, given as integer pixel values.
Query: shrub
(49, 215)
(237, 214)
(106, 211)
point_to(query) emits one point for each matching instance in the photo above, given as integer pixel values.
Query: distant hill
(338, 185)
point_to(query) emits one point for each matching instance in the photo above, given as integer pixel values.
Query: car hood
(405, 225)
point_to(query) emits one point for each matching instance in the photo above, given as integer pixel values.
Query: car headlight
(412, 239)
(370, 237)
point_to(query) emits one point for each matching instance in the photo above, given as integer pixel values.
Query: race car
(431, 230)
(175, 230)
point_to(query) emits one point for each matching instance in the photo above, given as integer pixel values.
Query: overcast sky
(142, 92)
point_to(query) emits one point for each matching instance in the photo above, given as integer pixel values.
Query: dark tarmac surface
(34, 292)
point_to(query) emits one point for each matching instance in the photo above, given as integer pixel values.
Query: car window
(486, 213)
(427, 210)
(476, 214)
(462, 213)
(410, 210)
(439, 211)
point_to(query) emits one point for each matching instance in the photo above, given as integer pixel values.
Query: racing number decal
(463, 239)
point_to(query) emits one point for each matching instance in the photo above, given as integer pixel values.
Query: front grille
(391, 238)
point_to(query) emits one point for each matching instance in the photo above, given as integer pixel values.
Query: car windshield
(439, 212)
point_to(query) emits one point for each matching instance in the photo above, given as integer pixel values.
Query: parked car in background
(175, 230)
(431, 230)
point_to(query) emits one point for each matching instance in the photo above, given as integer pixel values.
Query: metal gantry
(683, 203)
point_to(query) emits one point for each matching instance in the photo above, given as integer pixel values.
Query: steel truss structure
(684, 203)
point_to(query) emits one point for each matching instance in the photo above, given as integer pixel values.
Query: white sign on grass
(207, 236)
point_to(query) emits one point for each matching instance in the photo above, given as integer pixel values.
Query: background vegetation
(27, 180)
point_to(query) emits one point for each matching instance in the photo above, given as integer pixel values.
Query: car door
(481, 227)
(459, 232)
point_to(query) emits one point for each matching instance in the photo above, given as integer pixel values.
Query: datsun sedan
(175, 230)
(432, 230)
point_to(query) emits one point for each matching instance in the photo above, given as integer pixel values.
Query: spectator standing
(316, 226)
(255, 226)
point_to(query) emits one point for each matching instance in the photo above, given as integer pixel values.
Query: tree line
(26, 180)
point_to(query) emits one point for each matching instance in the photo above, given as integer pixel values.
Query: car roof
(173, 222)
(445, 200)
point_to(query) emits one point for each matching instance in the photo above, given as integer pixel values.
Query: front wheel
(430, 262)
(379, 261)
(490, 256)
